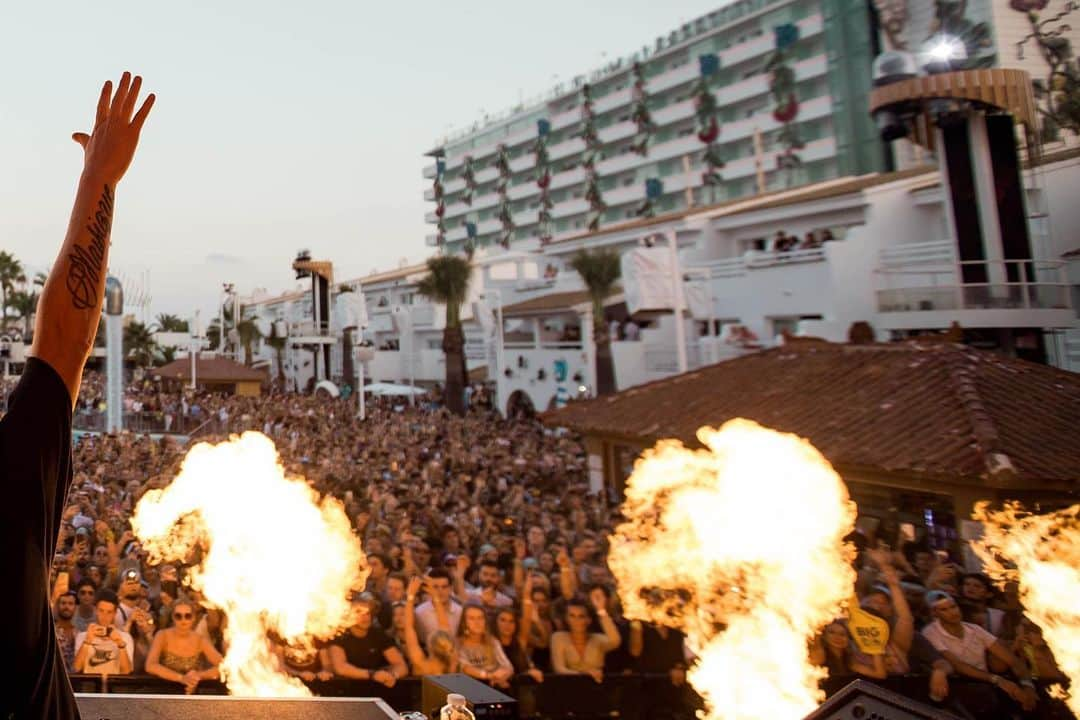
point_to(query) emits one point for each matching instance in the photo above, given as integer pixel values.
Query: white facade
(892, 265)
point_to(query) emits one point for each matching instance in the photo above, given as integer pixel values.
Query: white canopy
(382, 388)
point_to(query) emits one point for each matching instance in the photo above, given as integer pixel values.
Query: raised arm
(527, 612)
(71, 300)
(598, 598)
(904, 629)
(567, 574)
(413, 651)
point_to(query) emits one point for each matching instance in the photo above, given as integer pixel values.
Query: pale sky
(278, 125)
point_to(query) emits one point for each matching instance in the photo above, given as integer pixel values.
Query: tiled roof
(210, 369)
(935, 410)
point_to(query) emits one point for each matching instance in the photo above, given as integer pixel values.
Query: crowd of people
(487, 556)
(958, 638)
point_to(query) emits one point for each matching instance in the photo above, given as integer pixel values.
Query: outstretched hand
(110, 146)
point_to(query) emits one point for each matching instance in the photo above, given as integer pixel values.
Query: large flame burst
(740, 546)
(269, 553)
(1041, 553)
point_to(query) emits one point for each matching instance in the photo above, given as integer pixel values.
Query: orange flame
(740, 546)
(1042, 554)
(274, 557)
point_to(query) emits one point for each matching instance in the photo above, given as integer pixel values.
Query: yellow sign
(871, 633)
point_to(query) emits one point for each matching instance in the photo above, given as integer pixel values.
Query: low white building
(891, 263)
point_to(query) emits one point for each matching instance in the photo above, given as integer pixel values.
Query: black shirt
(368, 652)
(660, 654)
(35, 473)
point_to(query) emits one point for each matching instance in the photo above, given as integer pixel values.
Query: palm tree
(278, 343)
(600, 271)
(11, 273)
(170, 323)
(248, 333)
(25, 305)
(139, 344)
(447, 282)
(165, 355)
(213, 335)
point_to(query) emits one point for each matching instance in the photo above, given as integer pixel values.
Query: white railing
(759, 259)
(307, 328)
(1008, 285)
(925, 253)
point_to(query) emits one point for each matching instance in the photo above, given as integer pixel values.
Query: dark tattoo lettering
(86, 264)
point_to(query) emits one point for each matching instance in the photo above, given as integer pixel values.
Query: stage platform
(206, 707)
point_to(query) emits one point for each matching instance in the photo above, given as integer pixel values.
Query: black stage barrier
(633, 697)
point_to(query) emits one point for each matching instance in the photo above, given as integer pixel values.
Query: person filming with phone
(35, 434)
(104, 649)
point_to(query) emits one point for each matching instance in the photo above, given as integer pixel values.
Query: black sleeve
(922, 655)
(37, 451)
(35, 472)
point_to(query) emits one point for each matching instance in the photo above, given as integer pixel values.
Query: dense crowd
(487, 556)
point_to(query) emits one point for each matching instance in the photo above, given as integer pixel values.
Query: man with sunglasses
(35, 434)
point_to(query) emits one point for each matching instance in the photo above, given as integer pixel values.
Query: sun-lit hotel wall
(593, 127)
(828, 50)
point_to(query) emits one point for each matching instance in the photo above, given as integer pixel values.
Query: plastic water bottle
(456, 708)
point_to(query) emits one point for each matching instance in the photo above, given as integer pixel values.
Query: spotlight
(941, 53)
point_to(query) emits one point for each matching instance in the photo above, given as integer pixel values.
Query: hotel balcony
(673, 77)
(730, 132)
(975, 294)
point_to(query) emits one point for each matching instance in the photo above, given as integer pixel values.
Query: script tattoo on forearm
(86, 264)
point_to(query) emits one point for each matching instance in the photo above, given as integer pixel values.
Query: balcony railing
(759, 259)
(1009, 285)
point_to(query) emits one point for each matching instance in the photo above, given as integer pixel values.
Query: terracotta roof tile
(933, 410)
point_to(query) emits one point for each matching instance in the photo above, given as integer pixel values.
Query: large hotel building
(788, 80)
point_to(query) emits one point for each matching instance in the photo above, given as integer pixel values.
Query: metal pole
(680, 301)
(221, 322)
(412, 359)
(236, 325)
(360, 386)
(193, 348)
(318, 327)
(114, 355)
(500, 351)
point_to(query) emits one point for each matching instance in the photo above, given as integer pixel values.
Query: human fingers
(131, 98)
(103, 103)
(121, 93)
(140, 117)
(81, 138)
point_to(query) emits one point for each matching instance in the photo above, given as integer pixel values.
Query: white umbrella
(382, 388)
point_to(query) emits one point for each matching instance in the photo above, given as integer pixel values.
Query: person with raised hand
(35, 434)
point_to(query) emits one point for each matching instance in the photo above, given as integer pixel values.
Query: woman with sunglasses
(182, 655)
